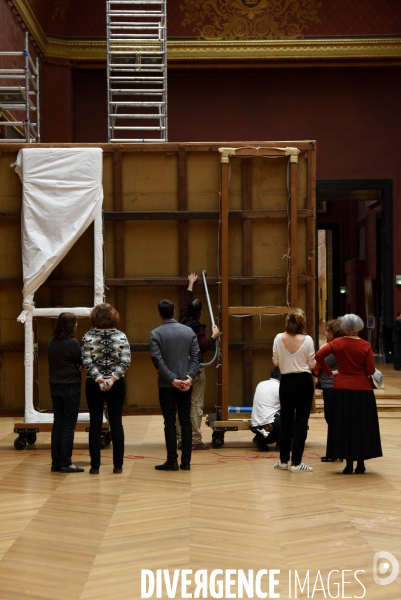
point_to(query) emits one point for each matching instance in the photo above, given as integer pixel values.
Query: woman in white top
(294, 353)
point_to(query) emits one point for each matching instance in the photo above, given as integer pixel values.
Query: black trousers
(328, 406)
(397, 356)
(173, 400)
(296, 395)
(114, 399)
(327, 402)
(66, 399)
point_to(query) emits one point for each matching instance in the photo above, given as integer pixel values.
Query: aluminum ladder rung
(135, 92)
(138, 116)
(137, 103)
(144, 52)
(135, 140)
(136, 25)
(139, 37)
(136, 13)
(138, 128)
(127, 25)
(145, 92)
(146, 79)
(110, 2)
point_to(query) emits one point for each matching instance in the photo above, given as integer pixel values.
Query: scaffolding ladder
(19, 93)
(137, 70)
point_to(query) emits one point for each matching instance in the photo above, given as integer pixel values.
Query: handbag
(377, 380)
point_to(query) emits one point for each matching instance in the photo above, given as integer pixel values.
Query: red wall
(352, 113)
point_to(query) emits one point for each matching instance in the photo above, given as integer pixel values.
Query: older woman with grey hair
(354, 427)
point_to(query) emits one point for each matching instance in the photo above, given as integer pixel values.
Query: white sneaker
(301, 467)
(280, 465)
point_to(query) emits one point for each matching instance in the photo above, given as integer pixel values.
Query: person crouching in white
(265, 418)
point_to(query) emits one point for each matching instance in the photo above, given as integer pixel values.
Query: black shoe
(185, 467)
(117, 469)
(167, 466)
(258, 446)
(55, 469)
(73, 469)
(94, 471)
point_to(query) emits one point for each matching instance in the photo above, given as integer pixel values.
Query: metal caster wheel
(218, 439)
(31, 438)
(20, 443)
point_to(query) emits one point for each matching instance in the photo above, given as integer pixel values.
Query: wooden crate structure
(246, 214)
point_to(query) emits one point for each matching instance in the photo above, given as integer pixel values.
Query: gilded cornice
(293, 50)
(223, 53)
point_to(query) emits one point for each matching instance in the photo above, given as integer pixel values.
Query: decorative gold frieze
(225, 52)
(249, 19)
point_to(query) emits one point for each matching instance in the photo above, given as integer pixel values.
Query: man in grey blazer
(174, 350)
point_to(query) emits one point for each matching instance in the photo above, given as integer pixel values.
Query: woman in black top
(64, 354)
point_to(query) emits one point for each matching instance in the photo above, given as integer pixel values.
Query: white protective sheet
(62, 195)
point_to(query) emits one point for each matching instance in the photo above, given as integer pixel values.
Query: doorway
(355, 253)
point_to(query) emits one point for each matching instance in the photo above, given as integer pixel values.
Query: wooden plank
(223, 300)
(293, 234)
(258, 310)
(311, 248)
(119, 228)
(165, 147)
(155, 215)
(43, 427)
(260, 151)
(174, 215)
(247, 295)
(232, 423)
(158, 281)
(183, 226)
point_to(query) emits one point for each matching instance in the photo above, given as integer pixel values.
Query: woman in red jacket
(354, 427)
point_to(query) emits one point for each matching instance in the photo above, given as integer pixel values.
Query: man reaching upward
(190, 314)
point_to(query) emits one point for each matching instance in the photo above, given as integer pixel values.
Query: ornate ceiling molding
(183, 53)
(270, 51)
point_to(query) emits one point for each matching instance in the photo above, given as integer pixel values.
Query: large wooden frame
(184, 213)
(293, 278)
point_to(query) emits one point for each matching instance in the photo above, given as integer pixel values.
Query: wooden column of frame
(293, 233)
(311, 244)
(183, 225)
(119, 235)
(223, 375)
(247, 272)
(311, 253)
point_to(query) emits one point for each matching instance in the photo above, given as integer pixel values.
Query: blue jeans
(114, 399)
(66, 400)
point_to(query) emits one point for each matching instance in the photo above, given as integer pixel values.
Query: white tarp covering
(62, 195)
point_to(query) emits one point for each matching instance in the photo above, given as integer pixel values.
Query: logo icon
(381, 564)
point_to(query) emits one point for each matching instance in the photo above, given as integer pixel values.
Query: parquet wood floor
(84, 537)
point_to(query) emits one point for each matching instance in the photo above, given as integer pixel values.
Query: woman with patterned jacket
(106, 355)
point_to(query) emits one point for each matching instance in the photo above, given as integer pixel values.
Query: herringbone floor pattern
(84, 537)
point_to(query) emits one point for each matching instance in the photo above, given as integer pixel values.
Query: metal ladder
(22, 95)
(137, 70)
